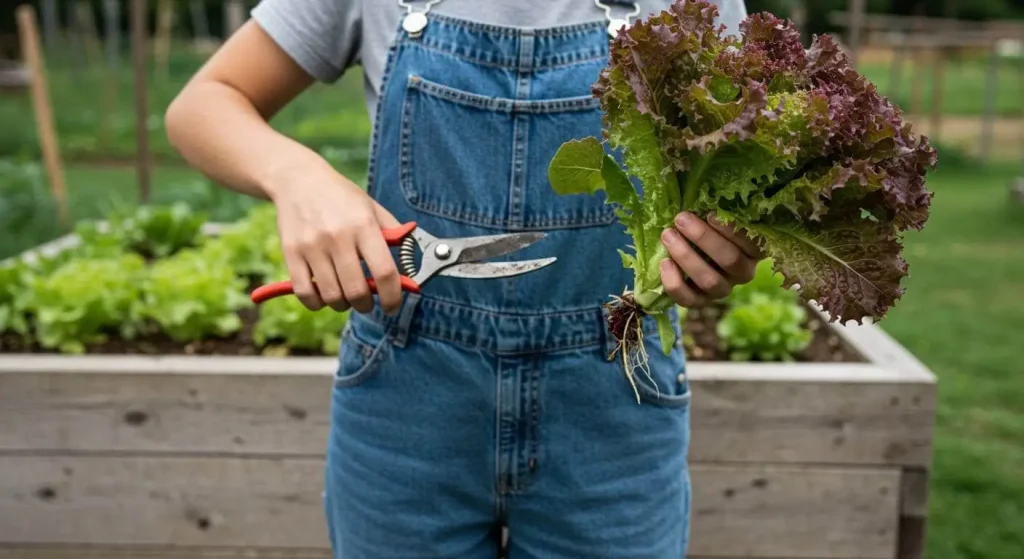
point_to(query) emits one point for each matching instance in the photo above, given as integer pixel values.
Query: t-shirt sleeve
(730, 14)
(322, 36)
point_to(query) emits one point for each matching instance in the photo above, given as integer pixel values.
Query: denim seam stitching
(371, 169)
(580, 103)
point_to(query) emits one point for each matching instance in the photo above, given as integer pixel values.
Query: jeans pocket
(365, 347)
(663, 381)
(482, 160)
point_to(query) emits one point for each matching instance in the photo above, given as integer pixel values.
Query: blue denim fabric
(487, 403)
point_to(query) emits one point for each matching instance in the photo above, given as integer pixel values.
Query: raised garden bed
(162, 448)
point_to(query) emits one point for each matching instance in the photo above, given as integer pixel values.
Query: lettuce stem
(693, 179)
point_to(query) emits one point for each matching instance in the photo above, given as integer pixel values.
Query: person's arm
(219, 123)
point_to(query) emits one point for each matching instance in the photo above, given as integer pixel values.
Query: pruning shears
(457, 258)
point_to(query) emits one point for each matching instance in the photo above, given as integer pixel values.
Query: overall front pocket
(365, 348)
(483, 160)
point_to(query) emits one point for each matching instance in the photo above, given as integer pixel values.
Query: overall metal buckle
(615, 24)
(415, 21)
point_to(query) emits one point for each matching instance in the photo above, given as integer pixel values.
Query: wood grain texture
(765, 421)
(798, 512)
(227, 411)
(739, 511)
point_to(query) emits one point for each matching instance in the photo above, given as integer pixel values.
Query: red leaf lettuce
(794, 146)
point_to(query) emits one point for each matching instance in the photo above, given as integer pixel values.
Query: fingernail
(670, 236)
(684, 219)
(713, 218)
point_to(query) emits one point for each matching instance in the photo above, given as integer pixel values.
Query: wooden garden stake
(85, 22)
(899, 54)
(139, 12)
(33, 58)
(234, 16)
(857, 8)
(112, 25)
(991, 89)
(111, 85)
(50, 23)
(162, 40)
(938, 89)
(200, 23)
(919, 58)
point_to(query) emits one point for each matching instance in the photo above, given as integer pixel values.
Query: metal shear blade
(459, 258)
(474, 249)
(483, 270)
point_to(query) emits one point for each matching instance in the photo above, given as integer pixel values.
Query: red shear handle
(394, 236)
(276, 289)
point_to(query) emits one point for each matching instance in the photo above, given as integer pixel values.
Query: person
(476, 405)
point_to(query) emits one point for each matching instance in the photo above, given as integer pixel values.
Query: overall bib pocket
(365, 348)
(482, 160)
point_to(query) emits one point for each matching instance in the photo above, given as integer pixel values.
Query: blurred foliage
(28, 213)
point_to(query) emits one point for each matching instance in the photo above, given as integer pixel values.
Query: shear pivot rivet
(442, 251)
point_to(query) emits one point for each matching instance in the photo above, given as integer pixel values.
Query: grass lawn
(325, 115)
(963, 315)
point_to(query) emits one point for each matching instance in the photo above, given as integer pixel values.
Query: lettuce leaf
(793, 146)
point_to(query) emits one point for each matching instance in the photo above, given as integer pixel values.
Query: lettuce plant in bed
(248, 244)
(191, 297)
(764, 320)
(793, 146)
(84, 301)
(152, 231)
(14, 277)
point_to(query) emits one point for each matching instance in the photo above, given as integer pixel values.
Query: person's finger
(691, 262)
(349, 270)
(302, 280)
(327, 283)
(737, 237)
(377, 255)
(676, 288)
(725, 254)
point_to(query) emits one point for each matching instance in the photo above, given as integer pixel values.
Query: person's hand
(327, 224)
(689, 279)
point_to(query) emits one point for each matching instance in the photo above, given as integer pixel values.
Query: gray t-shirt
(326, 37)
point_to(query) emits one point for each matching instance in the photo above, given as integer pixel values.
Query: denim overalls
(493, 402)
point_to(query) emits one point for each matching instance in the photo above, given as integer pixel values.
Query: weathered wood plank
(221, 414)
(272, 503)
(739, 511)
(767, 421)
(913, 513)
(783, 418)
(794, 512)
